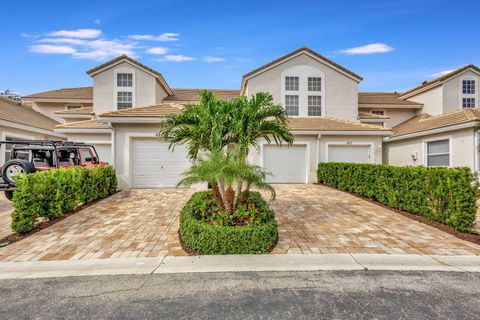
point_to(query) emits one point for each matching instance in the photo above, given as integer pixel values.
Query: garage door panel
(155, 165)
(349, 153)
(286, 164)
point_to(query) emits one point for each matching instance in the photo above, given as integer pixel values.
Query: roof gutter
(467, 125)
(343, 133)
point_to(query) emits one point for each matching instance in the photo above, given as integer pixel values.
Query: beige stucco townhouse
(330, 119)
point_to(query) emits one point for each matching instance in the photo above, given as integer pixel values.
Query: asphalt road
(266, 295)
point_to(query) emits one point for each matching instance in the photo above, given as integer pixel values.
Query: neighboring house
(444, 132)
(19, 122)
(330, 119)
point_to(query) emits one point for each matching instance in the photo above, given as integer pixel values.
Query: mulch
(471, 237)
(14, 237)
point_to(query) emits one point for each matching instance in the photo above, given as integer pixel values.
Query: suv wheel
(14, 167)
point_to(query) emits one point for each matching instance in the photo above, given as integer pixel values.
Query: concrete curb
(238, 263)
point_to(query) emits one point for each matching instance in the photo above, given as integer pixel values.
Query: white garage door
(287, 164)
(349, 153)
(155, 166)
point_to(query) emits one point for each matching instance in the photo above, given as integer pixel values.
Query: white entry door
(349, 153)
(287, 164)
(154, 165)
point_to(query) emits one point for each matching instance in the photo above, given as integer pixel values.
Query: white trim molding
(442, 138)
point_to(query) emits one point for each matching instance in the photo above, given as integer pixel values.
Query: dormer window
(468, 93)
(124, 80)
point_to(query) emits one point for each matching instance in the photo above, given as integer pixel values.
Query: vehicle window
(67, 157)
(86, 155)
(42, 158)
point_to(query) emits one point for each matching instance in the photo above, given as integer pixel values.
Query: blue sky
(394, 45)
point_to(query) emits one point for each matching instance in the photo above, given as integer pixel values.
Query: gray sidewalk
(238, 263)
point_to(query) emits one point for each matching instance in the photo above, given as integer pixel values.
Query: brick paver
(5, 216)
(318, 219)
(312, 219)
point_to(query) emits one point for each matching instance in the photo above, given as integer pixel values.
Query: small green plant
(51, 193)
(444, 195)
(251, 228)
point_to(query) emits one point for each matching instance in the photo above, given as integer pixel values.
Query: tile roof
(13, 112)
(86, 124)
(437, 81)
(316, 54)
(426, 122)
(154, 111)
(385, 98)
(84, 93)
(330, 124)
(82, 111)
(193, 95)
(368, 115)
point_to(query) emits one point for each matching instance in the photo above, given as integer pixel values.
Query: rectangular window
(438, 153)
(124, 80)
(378, 112)
(314, 105)
(314, 84)
(124, 100)
(291, 105)
(468, 86)
(291, 83)
(468, 102)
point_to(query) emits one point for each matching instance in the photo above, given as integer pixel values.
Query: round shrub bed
(206, 230)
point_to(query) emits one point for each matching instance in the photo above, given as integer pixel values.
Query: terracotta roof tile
(82, 111)
(84, 93)
(13, 112)
(87, 124)
(193, 95)
(439, 80)
(368, 115)
(330, 124)
(385, 98)
(426, 122)
(154, 111)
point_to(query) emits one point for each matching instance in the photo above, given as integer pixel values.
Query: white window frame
(425, 150)
(298, 105)
(308, 103)
(469, 95)
(124, 89)
(303, 72)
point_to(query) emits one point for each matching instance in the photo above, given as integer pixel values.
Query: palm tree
(227, 171)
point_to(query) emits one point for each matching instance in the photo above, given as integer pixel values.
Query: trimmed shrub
(444, 195)
(205, 238)
(51, 193)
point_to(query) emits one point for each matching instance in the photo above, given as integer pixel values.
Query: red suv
(31, 155)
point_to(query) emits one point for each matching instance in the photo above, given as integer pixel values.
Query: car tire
(14, 167)
(9, 195)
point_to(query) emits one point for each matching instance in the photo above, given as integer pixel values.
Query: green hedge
(51, 193)
(204, 238)
(445, 195)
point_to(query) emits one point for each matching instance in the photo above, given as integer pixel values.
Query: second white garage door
(349, 153)
(154, 165)
(287, 164)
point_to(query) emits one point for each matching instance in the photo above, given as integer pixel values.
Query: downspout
(318, 150)
(112, 148)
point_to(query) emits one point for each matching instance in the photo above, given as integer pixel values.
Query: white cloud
(213, 59)
(441, 73)
(168, 36)
(177, 58)
(104, 49)
(79, 33)
(157, 50)
(97, 21)
(63, 40)
(52, 49)
(368, 49)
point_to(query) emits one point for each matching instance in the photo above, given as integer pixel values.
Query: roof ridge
(443, 114)
(361, 124)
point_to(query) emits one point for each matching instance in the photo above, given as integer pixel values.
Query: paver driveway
(312, 219)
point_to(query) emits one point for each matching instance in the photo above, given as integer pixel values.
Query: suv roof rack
(45, 143)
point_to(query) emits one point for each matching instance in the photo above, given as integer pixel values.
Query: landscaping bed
(204, 229)
(445, 196)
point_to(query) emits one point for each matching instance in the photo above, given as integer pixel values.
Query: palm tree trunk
(237, 194)
(218, 197)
